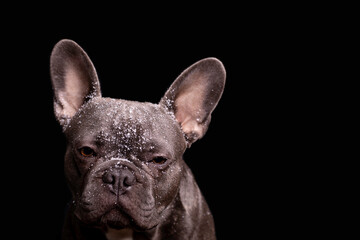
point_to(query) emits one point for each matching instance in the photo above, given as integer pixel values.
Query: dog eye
(87, 152)
(159, 160)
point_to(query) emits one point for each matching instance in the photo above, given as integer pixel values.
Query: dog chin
(115, 219)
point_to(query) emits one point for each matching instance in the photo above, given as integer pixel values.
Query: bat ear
(194, 95)
(74, 79)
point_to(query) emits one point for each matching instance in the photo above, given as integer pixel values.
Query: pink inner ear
(189, 105)
(75, 90)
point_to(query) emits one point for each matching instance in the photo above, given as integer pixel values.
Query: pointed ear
(194, 95)
(73, 78)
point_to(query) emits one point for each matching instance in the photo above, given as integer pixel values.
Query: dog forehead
(132, 115)
(107, 118)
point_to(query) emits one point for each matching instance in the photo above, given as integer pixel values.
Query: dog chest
(123, 234)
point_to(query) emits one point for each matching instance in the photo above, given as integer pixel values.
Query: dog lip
(115, 225)
(146, 215)
(118, 223)
(86, 206)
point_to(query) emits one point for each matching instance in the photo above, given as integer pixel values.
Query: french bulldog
(124, 159)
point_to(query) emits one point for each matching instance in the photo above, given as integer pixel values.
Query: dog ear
(194, 95)
(74, 79)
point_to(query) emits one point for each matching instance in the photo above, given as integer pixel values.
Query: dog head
(123, 161)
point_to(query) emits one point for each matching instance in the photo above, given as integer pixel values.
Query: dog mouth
(118, 195)
(118, 218)
(125, 211)
(115, 218)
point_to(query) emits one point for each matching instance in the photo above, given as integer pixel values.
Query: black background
(247, 163)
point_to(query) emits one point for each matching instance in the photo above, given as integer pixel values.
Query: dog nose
(118, 180)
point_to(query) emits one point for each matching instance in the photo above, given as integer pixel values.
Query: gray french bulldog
(123, 162)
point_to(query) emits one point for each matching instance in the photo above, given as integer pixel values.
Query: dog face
(123, 161)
